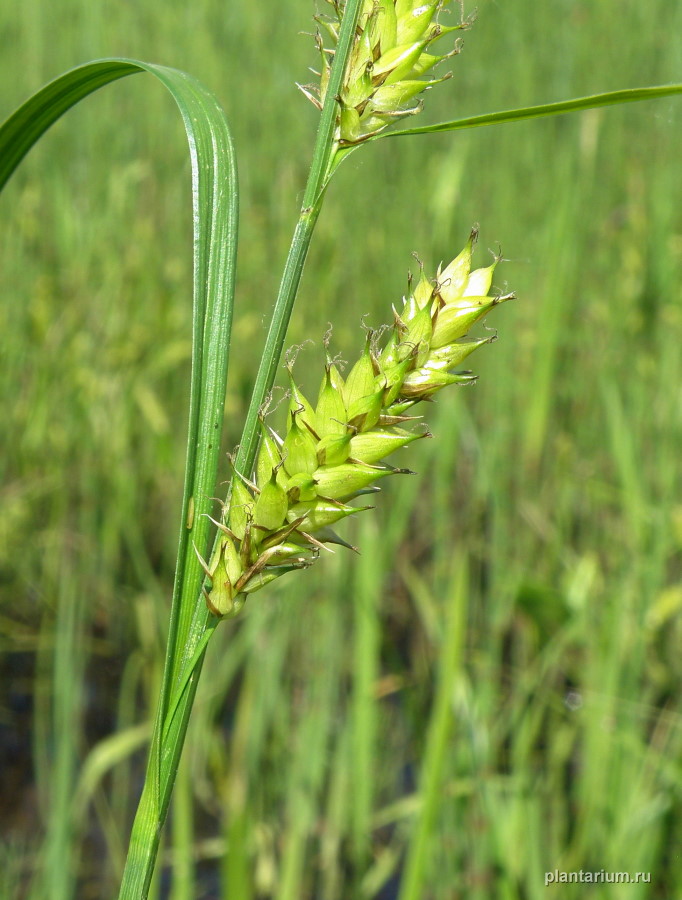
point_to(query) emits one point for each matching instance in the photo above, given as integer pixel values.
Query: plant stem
(321, 170)
(185, 659)
(274, 342)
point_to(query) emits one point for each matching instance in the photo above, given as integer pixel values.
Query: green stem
(274, 342)
(321, 170)
(184, 663)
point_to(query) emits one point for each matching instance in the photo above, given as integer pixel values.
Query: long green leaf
(215, 211)
(611, 98)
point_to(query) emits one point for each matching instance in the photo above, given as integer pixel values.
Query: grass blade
(438, 736)
(215, 207)
(610, 98)
(366, 668)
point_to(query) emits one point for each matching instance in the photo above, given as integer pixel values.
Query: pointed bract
(299, 450)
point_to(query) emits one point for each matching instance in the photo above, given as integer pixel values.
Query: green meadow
(492, 689)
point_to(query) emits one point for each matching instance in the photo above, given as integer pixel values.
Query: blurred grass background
(491, 690)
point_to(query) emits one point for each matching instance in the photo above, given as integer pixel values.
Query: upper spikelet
(334, 451)
(388, 62)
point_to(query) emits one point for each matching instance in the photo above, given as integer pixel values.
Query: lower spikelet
(333, 452)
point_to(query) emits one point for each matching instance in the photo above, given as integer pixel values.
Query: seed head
(387, 64)
(334, 452)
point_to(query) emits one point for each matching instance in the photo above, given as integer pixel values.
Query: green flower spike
(334, 452)
(389, 57)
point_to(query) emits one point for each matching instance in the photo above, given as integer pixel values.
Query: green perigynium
(388, 64)
(334, 451)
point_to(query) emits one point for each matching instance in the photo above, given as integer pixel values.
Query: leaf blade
(543, 110)
(215, 214)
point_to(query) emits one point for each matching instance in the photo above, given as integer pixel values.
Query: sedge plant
(377, 60)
